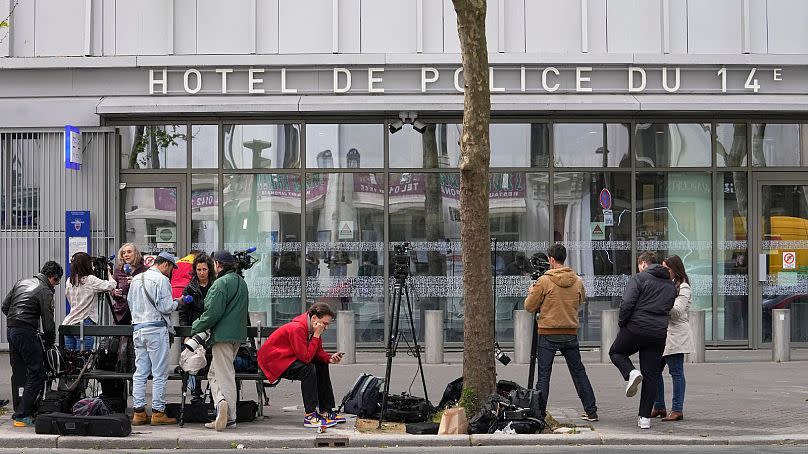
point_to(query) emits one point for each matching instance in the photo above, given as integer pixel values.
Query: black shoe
(592, 417)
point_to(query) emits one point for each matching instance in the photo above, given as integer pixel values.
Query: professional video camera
(101, 266)
(540, 264)
(401, 260)
(244, 260)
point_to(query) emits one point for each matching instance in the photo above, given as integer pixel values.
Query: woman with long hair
(81, 291)
(678, 342)
(203, 276)
(129, 255)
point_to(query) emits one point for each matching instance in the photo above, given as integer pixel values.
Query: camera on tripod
(540, 264)
(401, 260)
(101, 266)
(244, 260)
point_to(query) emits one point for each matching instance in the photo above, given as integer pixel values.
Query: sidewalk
(739, 397)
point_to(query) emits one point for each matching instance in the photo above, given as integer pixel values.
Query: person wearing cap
(225, 315)
(151, 305)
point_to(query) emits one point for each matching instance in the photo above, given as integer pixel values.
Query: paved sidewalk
(739, 397)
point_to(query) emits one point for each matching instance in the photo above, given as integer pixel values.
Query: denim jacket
(159, 288)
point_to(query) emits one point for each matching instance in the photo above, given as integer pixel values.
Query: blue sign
(77, 237)
(605, 199)
(72, 148)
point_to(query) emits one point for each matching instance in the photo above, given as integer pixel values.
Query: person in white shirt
(82, 288)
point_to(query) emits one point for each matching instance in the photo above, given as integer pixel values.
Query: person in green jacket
(225, 315)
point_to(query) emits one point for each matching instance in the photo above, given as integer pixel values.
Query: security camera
(396, 126)
(419, 126)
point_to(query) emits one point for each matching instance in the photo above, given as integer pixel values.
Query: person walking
(82, 288)
(643, 322)
(203, 277)
(678, 343)
(557, 295)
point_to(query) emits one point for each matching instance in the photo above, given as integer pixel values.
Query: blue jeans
(151, 357)
(73, 342)
(676, 367)
(572, 354)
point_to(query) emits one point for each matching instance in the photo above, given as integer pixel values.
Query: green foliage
(469, 401)
(163, 139)
(4, 24)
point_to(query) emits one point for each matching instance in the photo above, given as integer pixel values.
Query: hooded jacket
(288, 343)
(28, 302)
(557, 295)
(647, 301)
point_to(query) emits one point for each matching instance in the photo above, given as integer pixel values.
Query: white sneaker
(643, 423)
(221, 416)
(634, 380)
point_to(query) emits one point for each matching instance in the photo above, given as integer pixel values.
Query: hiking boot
(659, 413)
(221, 415)
(315, 421)
(159, 418)
(634, 380)
(140, 417)
(26, 421)
(333, 416)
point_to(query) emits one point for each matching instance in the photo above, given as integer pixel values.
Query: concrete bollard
(174, 351)
(346, 336)
(524, 323)
(608, 332)
(433, 337)
(258, 319)
(697, 327)
(781, 335)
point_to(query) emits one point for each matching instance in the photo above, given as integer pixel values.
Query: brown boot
(658, 413)
(159, 418)
(140, 417)
(674, 416)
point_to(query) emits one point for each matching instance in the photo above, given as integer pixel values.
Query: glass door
(153, 213)
(780, 236)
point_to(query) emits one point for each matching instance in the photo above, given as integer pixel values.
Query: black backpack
(363, 398)
(451, 395)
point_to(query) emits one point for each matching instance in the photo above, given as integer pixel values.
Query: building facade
(325, 132)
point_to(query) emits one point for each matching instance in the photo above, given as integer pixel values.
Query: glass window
(344, 261)
(730, 144)
(674, 216)
(204, 146)
(150, 216)
(511, 145)
(598, 239)
(733, 259)
(153, 147)
(262, 146)
(205, 212)
(344, 146)
(579, 144)
(776, 145)
(264, 211)
(673, 145)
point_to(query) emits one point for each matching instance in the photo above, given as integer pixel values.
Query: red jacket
(288, 343)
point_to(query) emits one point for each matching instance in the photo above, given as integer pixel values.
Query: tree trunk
(479, 371)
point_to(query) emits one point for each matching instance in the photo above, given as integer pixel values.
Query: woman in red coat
(295, 352)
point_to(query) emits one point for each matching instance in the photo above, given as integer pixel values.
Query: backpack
(452, 394)
(363, 398)
(91, 406)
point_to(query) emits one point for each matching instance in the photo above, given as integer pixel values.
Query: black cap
(224, 256)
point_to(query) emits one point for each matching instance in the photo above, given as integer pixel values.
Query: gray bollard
(433, 337)
(258, 319)
(346, 336)
(174, 351)
(524, 323)
(608, 332)
(696, 319)
(781, 335)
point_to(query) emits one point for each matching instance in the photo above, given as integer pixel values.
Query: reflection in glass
(349, 145)
(579, 144)
(344, 261)
(512, 144)
(262, 146)
(204, 212)
(784, 229)
(733, 259)
(153, 147)
(775, 144)
(598, 240)
(730, 144)
(150, 215)
(674, 213)
(264, 211)
(204, 146)
(672, 145)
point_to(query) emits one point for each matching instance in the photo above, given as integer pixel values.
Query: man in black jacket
(28, 302)
(643, 322)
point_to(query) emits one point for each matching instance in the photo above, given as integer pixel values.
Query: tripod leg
(415, 342)
(392, 341)
(534, 344)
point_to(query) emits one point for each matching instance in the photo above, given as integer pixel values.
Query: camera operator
(225, 315)
(557, 295)
(28, 302)
(81, 290)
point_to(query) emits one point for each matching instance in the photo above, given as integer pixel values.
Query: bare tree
(479, 371)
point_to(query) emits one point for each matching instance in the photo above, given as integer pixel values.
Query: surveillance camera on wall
(396, 126)
(419, 126)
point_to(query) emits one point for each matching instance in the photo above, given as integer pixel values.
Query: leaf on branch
(4, 24)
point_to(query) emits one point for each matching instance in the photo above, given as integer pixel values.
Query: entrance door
(780, 242)
(153, 213)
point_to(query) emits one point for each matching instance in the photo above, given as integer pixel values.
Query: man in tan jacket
(557, 295)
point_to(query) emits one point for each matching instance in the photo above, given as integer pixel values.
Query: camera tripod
(399, 290)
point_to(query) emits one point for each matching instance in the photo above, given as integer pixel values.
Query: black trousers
(315, 384)
(628, 343)
(26, 348)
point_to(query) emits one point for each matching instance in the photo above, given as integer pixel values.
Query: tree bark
(479, 371)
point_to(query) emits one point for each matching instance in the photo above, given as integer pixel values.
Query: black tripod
(399, 288)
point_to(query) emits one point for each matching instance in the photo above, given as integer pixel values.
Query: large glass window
(344, 146)
(730, 145)
(583, 145)
(204, 146)
(153, 147)
(777, 145)
(204, 212)
(275, 146)
(345, 247)
(733, 256)
(593, 219)
(263, 210)
(673, 145)
(674, 216)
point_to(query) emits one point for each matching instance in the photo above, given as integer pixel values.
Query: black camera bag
(115, 425)
(59, 401)
(406, 408)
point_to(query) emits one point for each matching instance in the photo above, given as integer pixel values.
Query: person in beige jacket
(557, 295)
(678, 342)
